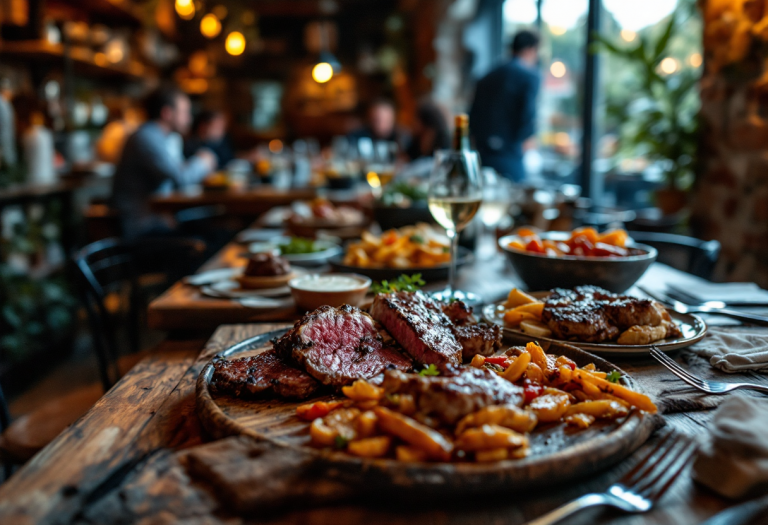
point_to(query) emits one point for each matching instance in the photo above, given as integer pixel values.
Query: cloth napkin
(733, 461)
(735, 350)
(742, 293)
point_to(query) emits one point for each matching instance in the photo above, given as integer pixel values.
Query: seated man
(148, 161)
(210, 131)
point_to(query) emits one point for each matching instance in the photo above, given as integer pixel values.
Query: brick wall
(730, 201)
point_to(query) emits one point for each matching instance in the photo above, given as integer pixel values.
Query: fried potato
(535, 308)
(642, 335)
(362, 390)
(411, 454)
(407, 247)
(365, 424)
(414, 433)
(514, 318)
(496, 454)
(538, 357)
(507, 416)
(550, 407)
(517, 298)
(339, 423)
(603, 409)
(535, 328)
(518, 367)
(372, 447)
(488, 437)
(580, 420)
(635, 399)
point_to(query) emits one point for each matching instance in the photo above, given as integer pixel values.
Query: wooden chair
(113, 278)
(5, 422)
(688, 254)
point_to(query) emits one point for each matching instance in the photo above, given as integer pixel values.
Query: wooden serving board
(558, 453)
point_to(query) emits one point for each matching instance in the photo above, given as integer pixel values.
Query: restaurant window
(629, 166)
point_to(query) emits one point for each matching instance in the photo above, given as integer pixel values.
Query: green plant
(657, 114)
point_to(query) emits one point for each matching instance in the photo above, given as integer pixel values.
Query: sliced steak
(336, 346)
(455, 393)
(419, 325)
(261, 375)
(474, 338)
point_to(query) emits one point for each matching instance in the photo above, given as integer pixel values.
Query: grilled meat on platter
(333, 347)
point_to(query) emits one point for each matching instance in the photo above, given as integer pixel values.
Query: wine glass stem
(454, 237)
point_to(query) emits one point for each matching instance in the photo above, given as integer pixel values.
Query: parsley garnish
(431, 370)
(404, 283)
(613, 377)
(340, 442)
(416, 239)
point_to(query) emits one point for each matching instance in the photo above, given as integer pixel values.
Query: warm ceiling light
(210, 26)
(235, 44)
(627, 35)
(198, 63)
(557, 69)
(275, 145)
(322, 72)
(695, 60)
(220, 11)
(557, 30)
(185, 9)
(668, 65)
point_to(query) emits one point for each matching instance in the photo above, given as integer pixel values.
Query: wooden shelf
(111, 12)
(85, 61)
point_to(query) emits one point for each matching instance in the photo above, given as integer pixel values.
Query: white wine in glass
(455, 195)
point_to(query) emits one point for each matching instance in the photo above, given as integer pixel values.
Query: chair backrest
(5, 422)
(688, 254)
(112, 268)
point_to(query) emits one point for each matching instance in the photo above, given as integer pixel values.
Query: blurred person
(504, 110)
(109, 145)
(381, 125)
(210, 132)
(430, 131)
(152, 157)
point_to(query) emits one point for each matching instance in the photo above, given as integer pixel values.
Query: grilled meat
(591, 314)
(262, 374)
(339, 345)
(474, 338)
(419, 325)
(455, 393)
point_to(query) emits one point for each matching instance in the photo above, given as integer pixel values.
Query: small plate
(692, 327)
(328, 250)
(212, 276)
(231, 289)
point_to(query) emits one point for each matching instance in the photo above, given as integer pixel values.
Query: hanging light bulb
(185, 9)
(235, 43)
(210, 26)
(322, 72)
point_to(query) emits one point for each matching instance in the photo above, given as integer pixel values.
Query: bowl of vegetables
(300, 250)
(546, 260)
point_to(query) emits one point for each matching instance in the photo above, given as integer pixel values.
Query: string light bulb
(210, 26)
(557, 69)
(185, 9)
(322, 72)
(235, 43)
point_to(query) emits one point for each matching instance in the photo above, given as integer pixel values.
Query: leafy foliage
(404, 283)
(431, 370)
(657, 115)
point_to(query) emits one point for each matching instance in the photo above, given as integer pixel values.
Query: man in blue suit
(504, 110)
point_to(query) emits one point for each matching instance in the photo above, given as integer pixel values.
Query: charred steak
(454, 394)
(262, 374)
(474, 338)
(336, 346)
(591, 314)
(419, 325)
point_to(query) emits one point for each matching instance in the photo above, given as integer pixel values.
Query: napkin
(735, 350)
(733, 461)
(742, 293)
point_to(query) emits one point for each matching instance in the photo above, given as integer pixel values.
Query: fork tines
(671, 365)
(656, 472)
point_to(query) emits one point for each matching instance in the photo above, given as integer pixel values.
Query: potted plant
(656, 114)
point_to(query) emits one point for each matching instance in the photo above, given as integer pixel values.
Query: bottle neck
(461, 137)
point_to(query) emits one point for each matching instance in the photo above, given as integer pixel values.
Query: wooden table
(98, 469)
(248, 202)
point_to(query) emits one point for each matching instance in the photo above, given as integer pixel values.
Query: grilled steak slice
(262, 374)
(455, 393)
(419, 325)
(474, 338)
(336, 346)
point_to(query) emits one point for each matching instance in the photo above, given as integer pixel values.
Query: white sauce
(327, 283)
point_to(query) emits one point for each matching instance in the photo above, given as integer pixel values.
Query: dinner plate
(212, 276)
(327, 250)
(429, 274)
(692, 326)
(230, 289)
(557, 453)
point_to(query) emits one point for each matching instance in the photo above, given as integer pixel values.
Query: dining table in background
(236, 202)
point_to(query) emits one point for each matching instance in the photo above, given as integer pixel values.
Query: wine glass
(455, 195)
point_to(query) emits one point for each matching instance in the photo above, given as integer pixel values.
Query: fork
(683, 308)
(642, 486)
(710, 387)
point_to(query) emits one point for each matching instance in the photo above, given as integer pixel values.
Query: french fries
(524, 311)
(417, 246)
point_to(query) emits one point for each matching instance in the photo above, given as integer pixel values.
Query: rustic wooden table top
(249, 202)
(94, 471)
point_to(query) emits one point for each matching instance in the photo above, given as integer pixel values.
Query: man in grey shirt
(147, 162)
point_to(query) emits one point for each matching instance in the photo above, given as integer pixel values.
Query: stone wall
(730, 200)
